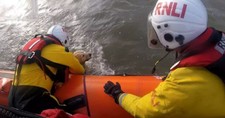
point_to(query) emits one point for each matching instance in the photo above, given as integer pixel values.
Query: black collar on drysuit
(52, 36)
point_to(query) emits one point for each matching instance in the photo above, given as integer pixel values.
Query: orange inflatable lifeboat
(99, 105)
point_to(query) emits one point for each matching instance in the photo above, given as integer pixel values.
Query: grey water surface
(114, 31)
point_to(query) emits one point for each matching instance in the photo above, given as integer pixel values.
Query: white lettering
(220, 46)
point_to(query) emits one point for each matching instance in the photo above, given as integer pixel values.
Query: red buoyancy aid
(31, 53)
(208, 50)
(34, 46)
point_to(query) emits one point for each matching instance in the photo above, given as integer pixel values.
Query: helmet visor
(153, 40)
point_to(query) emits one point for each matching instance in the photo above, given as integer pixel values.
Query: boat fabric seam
(85, 93)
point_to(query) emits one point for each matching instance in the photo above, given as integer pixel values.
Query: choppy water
(114, 31)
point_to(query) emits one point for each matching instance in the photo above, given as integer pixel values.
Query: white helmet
(174, 23)
(60, 33)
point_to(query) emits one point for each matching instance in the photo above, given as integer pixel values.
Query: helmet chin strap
(156, 63)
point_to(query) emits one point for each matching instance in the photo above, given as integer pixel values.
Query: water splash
(37, 17)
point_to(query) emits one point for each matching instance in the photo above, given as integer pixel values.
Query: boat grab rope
(85, 93)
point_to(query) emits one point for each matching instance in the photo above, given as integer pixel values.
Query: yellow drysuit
(34, 86)
(187, 92)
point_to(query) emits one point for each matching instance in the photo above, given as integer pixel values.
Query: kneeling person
(43, 61)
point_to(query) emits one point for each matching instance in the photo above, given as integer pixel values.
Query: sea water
(114, 31)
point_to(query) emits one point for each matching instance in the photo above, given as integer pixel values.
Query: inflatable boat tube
(99, 104)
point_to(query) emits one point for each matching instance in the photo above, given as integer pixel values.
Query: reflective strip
(121, 96)
(34, 43)
(174, 65)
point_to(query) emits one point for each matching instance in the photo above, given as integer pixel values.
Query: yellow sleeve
(187, 92)
(57, 54)
(151, 105)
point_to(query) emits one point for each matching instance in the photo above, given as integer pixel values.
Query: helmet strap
(156, 63)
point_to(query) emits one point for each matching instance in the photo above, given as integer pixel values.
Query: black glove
(113, 90)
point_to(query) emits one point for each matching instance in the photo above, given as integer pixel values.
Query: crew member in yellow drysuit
(194, 88)
(32, 86)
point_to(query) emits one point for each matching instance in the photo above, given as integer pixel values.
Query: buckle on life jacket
(30, 55)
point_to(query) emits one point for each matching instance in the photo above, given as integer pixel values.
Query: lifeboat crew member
(44, 60)
(194, 87)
